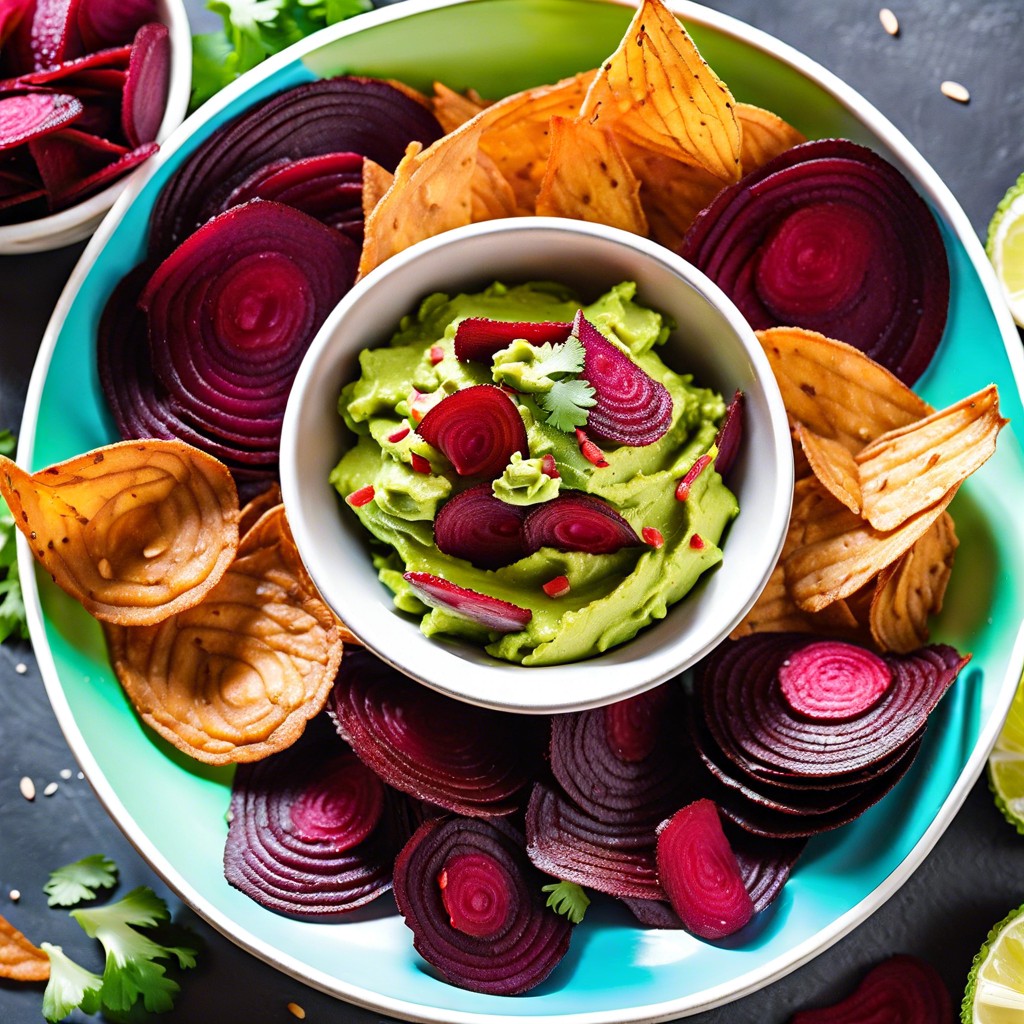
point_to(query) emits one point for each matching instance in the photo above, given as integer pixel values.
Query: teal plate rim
(982, 714)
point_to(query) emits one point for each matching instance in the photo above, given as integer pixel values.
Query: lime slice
(1006, 764)
(1005, 247)
(995, 986)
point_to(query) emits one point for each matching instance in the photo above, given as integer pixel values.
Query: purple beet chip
(32, 115)
(145, 88)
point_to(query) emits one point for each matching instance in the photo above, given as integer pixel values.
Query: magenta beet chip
(68, 157)
(574, 521)
(34, 114)
(833, 681)
(477, 338)
(490, 612)
(102, 23)
(700, 873)
(145, 88)
(482, 529)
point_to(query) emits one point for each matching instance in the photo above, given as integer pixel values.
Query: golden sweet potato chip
(764, 136)
(432, 192)
(492, 194)
(515, 133)
(253, 509)
(833, 464)
(20, 960)
(909, 469)
(912, 589)
(453, 108)
(836, 390)
(837, 552)
(236, 677)
(657, 91)
(588, 179)
(376, 181)
(135, 531)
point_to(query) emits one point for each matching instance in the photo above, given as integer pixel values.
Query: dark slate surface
(974, 875)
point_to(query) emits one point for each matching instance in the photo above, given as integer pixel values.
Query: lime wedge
(1005, 247)
(1006, 764)
(995, 986)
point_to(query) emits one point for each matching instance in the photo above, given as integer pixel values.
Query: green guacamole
(611, 597)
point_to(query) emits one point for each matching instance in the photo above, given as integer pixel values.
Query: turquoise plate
(173, 809)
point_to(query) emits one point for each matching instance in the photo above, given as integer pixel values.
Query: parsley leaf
(567, 898)
(136, 964)
(12, 606)
(79, 881)
(253, 30)
(567, 403)
(70, 987)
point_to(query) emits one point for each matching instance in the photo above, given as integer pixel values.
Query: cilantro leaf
(136, 964)
(567, 403)
(70, 987)
(79, 881)
(567, 898)
(12, 606)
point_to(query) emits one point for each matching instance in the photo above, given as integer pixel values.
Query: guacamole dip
(396, 482)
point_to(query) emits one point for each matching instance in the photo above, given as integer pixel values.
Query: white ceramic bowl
(79, 221)
(712, 341)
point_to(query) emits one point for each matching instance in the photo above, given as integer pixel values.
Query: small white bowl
(712, 341)
(79, 221)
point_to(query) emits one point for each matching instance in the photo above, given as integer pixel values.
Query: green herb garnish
(12, 605)
(567, 898)
(79, 881)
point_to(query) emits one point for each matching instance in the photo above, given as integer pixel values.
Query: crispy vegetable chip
(515, 133)
(833, 464)
(912, 589)
(836, 390)
(764, 136)
(588, 179)
(135, 531)
(906, 470)
(20, 960)
(376, 181)
(236, 677)
(837, 552)
(492, 195)
(657, 91)
(431, 193)
(453, 108)
(253, 509)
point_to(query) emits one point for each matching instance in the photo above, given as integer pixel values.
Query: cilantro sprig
(80, 881)
(12, 605)
(568, 899)
(254, 30)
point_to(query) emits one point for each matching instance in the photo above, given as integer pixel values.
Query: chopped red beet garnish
(436, 354)
(419, 463)
(478, 429)
(631, 407)
(478, 338)
(574, 521)
(700, 873)
(697, 542)
(398, 434)
(483, 529)
(491, 612)
(557, 587)
(589, 450)
(549, 467)
(684, 485)
(833, 681)
(903, 988)
(361, 497)
(655, 538)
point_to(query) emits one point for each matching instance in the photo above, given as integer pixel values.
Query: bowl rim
(79, 221)
(926, 179)
(486, 681)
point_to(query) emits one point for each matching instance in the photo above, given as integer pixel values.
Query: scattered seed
(81, 775)
(27, 787)
(21, 668)
(14, 895)
(51, 788)
(66, 773)
(889, 22)
(296, 1011)
(955, 91)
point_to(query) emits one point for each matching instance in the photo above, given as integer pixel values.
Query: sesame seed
(14, 895)
(66, 773)
(297, 1011)
(27, 787)
(51, 788)
(889, 21)
(81, 775)
(955, 91)
(21, 668)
